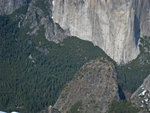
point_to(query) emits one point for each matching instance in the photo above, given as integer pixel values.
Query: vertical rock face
(143, 13)
(113, 25)
(8, 6)
(91, 91)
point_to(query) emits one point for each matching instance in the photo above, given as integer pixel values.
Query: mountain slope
(141, 97)
(131, 75)
(91, 91)
(33, 70)
(37, 58)
(9, 6)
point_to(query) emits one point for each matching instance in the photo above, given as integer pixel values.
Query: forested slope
(33, 70)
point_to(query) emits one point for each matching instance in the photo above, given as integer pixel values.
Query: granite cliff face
(38, 16)
(113, 25)
(91, 91)
(8, 6)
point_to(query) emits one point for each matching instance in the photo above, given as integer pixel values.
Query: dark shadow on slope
(121, 93)
(136, 29)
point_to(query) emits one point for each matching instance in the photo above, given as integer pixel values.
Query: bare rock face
(8, 6)
(37, 17)
(91, 91)
(144, 17)
(141, 97)
(113, 25)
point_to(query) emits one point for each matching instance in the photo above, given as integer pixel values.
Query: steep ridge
(39, 14)
(113, 25)
(91, 91)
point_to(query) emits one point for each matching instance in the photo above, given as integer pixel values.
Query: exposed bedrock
(113, 25)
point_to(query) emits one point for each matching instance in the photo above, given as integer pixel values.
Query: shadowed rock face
(113, 25)
(8, 6)
(92, 90)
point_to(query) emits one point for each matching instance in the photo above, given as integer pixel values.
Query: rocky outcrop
(141, 97)
(39, 14)
(91, 91)
(8, 6)
(113, 25)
